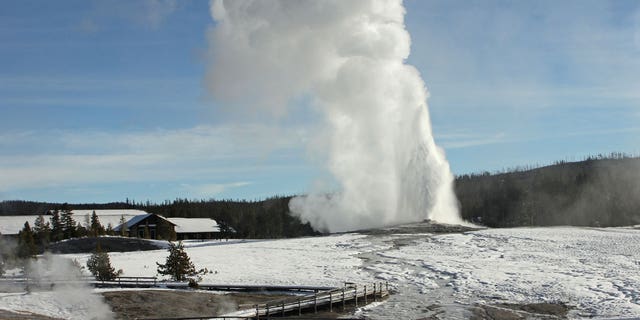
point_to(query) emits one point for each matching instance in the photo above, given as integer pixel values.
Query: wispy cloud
(150, 14)
(465, 140)
(526, 55)
(156, 11)
(99, 92)
(205, 153)
(209, 190)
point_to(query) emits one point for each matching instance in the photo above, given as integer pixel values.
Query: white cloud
(147, 13)
(465, 140)
(209, 190)
(203, 153)
(156, 11)
(524, 55)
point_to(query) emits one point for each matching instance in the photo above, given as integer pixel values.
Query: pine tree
(57, 230)
(80, 231)
(26, 243)
(68, 224)
(42, 231)
(109, 229)
(178, 264)
(123, 226)
(225, 230)
(100, 267)
(95, 229)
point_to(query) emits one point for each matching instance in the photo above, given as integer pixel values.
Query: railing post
(343, 306)
(374, 291)
(267, 311)
(283, 308)
(355, 290)
(365, 295)
(330, 302)
(257, 312)
(299, 308)
(315, 303)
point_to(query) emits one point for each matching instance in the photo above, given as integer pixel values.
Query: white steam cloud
(56, 288)
(348, 58)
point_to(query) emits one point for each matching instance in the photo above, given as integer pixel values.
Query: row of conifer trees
(61, 226)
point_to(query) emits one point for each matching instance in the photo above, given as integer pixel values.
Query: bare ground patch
(179, 303)
(12, 315)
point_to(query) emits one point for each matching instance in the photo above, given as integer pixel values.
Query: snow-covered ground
(594, 270)
(319, 261)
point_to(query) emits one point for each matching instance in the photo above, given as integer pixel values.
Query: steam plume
(348, 57)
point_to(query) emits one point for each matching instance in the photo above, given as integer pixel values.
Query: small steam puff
(57, 285)
(348, 56)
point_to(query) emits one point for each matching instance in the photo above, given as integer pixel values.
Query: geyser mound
(348, 57)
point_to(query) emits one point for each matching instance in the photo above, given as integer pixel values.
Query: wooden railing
(350, 293)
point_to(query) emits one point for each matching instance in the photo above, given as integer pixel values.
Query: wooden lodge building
(153, 226)
(148, 226)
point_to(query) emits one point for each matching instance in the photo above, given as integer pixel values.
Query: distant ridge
(602, 191)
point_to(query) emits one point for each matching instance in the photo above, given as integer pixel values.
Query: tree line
(601, 190)
(268, 218)
(59, 225)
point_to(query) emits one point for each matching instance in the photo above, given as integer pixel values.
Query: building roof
(195, 225)
(137, 219)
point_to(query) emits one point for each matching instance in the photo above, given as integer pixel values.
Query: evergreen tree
(26, 243)
(57, 230)
(68, 224)
(109, 230)
(42, 231)
(81, 231)
(123, 226)
(100, 267)
(225, 230)
(178, 264)
(95, 229)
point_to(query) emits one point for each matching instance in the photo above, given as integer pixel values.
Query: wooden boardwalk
(296, 307)
(325, 298)
(336, 298)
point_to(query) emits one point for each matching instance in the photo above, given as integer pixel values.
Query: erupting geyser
(348, 58)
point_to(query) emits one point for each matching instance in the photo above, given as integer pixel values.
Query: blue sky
(104, 100)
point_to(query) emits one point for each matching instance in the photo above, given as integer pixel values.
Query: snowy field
(597, 271)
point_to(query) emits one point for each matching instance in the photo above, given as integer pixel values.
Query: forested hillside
(600, 191)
